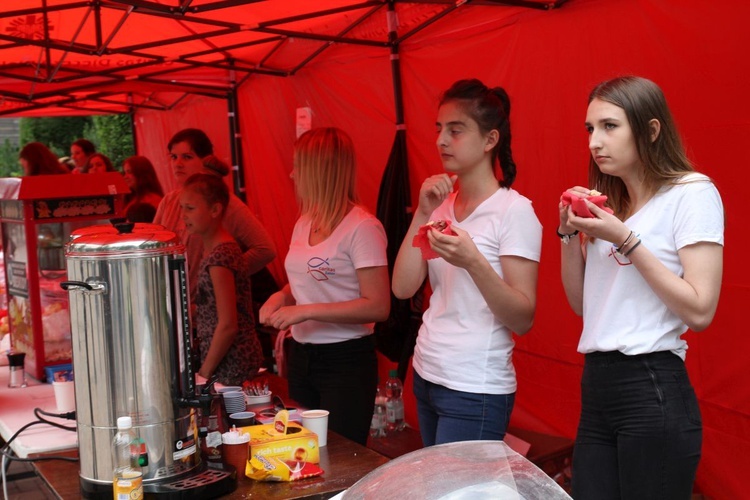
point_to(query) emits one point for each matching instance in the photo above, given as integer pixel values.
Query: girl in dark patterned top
(229, 347)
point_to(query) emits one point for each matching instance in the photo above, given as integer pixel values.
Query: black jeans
(640, 431)
(341, 378)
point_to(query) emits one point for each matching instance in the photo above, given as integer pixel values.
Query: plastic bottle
(394, 404)
(213, 440)
(128, 476)
(378, 424)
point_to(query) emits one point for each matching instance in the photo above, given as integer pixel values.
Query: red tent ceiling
(63, 57)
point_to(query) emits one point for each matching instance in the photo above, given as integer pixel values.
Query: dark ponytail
(502, 151)
(490, 108)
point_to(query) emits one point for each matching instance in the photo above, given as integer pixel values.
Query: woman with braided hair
(484, 277)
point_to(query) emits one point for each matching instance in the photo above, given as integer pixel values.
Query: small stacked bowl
(234, 399)
(251, 399)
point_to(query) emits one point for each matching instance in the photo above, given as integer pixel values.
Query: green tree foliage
(111, 134)
(9, 166)
(57, 133)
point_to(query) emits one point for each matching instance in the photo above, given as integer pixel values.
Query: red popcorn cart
(37, 215)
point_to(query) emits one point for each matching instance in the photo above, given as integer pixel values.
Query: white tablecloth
(17, 409)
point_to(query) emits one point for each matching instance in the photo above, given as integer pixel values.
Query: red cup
(236, 456)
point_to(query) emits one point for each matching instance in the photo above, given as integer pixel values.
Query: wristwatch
(565, 238)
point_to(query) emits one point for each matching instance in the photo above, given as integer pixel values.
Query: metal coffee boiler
(131, 351)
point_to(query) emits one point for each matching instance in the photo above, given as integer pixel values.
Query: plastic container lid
(124, 423)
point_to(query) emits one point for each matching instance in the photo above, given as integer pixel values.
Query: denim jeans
(446, 416)
(640, 431)
(339, 377)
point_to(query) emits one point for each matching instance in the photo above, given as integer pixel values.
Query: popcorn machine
(38, 214)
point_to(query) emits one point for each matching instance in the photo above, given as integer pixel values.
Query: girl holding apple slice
(640, 278)
(484, 281)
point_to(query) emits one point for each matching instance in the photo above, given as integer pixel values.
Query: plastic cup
(234, 451)
(242, 419)
(317, 421)
(65, 396)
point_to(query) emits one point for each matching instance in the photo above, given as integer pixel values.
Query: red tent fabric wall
(548, 61)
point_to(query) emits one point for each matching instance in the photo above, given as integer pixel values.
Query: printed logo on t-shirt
(319, 269)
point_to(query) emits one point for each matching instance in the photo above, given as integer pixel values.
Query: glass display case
(37, 215)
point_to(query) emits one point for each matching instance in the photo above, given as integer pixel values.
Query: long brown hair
(324, 174)
(664, 159)
(146, 180)
(40, 160)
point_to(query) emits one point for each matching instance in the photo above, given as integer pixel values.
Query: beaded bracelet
(630, 250)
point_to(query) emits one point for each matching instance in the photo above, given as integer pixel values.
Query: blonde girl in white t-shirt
(640, 277)
(484, 281)
(338, 287)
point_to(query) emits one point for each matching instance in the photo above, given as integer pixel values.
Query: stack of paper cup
(234, 401)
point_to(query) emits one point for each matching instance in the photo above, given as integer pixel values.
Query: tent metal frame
(80, 90)
(82, 81)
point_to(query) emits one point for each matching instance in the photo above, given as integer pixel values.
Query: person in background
(80, 151)
(229, 347)
(484, 278)
(37, 159)
(640, 277)
(145, 188)
(99, 164)
(187, 150)
(66, 162)
(338, 287)
(140, 212)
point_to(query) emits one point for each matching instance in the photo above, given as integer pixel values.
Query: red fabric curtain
(548, 61)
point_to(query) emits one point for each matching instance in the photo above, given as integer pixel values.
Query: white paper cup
(65, 396)
(317, 421)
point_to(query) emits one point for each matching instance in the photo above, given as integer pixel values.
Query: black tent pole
(131, 112)
(398, 98)
(235, 141)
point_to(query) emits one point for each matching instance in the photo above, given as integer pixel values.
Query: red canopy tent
(239, 69)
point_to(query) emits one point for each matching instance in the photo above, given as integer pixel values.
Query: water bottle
(378, 424)
(128, 476)
(394, 404)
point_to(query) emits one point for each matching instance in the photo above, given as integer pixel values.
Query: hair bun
(216, 165)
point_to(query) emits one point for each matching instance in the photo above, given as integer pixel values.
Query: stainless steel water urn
(128, 307)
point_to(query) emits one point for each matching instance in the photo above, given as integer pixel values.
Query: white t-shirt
(461, 344)
(620, 310)
(327, 272)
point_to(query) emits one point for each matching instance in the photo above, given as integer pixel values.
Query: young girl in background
(100, 163)
(140, 176)
(229, 347)
(188, 149)
(484, 281)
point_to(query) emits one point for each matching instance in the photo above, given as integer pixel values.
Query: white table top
(17, 409)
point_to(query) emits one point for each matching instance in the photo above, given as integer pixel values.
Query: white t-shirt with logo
(461, 344)
(327, 272)
(620, 310)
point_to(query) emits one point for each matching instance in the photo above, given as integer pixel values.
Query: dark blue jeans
(341, 378)
(447, 416)
(640, 431)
